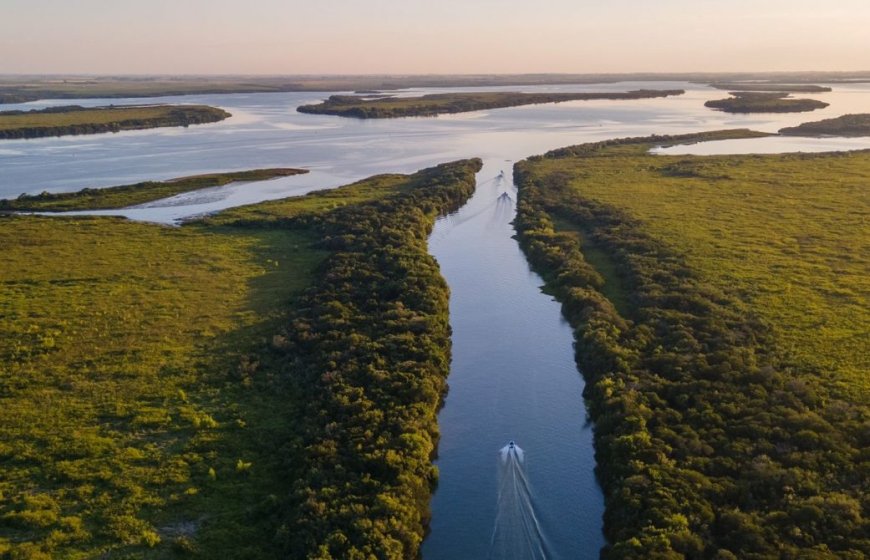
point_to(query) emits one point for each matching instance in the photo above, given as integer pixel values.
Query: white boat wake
(517, 533)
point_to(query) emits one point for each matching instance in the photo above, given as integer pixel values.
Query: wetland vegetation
(721, 313)
(73, 119)
(138, 193)
(764, 102)
(260, 384)
(363, 107)
(845, 125)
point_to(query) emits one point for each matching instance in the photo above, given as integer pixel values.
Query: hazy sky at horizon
(431, 36)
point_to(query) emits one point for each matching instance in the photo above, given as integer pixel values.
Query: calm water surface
(513, 375)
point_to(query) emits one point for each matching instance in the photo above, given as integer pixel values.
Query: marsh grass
(123, 347)
(789, 232)
(720, 314)
(156, 400)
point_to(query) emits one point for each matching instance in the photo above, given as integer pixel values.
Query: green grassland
(138, 193)
(764, 102)
(721, 308)
(789, 232)
(126, 403)
(171, 392)
(363, 107)
(845, 125)
(62, 121)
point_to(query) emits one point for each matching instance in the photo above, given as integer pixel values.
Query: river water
(513, 375)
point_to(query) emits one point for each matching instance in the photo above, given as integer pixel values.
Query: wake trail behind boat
(517, 533)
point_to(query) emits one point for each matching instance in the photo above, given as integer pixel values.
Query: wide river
(513, 375)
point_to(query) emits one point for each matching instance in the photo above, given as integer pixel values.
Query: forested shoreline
(372, 340)
(712, 441)
(262, 383)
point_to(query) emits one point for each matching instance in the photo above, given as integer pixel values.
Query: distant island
(765, 86)
(20, 89)
(139, 193)
(73, 119)
(764, 102)
(362, 107)
(846, 125)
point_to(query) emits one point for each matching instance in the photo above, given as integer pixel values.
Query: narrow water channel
(513, 377)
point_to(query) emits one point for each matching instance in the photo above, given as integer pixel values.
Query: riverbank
(363, 107)
(110, 198)
(75, 120)
(198, 403)
(722, 411)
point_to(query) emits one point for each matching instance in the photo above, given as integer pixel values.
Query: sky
(431, 36)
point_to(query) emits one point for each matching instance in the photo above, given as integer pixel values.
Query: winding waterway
(513, 376)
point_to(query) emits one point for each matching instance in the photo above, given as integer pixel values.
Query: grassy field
(128, 415)
(62, 121)
(138, 193)
(788, 232)
(363, 107)
(158, 400)
(721, 313)
(764, 102)
(845, 125)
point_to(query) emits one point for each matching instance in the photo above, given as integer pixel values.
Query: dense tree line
(364, 107)
(369, 345)
(710, 442)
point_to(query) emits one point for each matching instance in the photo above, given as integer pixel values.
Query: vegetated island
(139, 193)
(727, 423)
(262, 383)
(771, 87)
(845, 125)
(73, 119)
(362, 107)
(764, 102)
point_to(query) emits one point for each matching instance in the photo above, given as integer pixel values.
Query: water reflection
(266, 131)
(512, 376)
